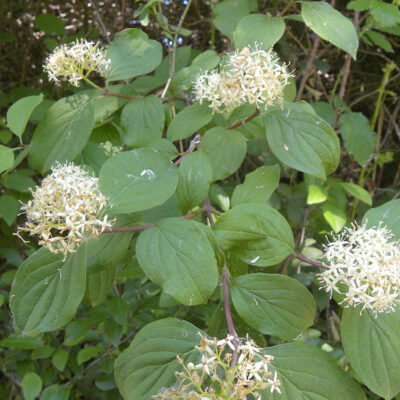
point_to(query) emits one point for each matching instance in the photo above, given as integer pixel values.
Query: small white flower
(249, 76)
(365, 268)
(65, 209)
(74, 60)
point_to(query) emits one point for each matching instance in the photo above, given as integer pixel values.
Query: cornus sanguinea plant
(66, 209)
(217, 377)
(217, 181)
(75, 61)
(251, 76)
(364, 267)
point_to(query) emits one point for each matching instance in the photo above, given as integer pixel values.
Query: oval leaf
(307, 372)
(137, 180)
(225, 149)
(331, 25)
(31, 386)
(18, 114)
(6, 158)
(188, 121)
(255, 233)
(150, 362)
(63, 132)
(258, 28)
(258, 186)
(195, 174)
(303, 141)
(372, 345)
(132, 53)
(142, 121)
(388, 214)
(47, 291)
(358, 137)
(177, 255)
(273, 304)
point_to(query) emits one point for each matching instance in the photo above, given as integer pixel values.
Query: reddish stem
(240, 123)
(311, 262)
(228, 314)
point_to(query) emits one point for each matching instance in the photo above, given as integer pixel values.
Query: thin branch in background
(347, 63)
(173, 57)
(309, 64)
(100, 21)
(311, 262)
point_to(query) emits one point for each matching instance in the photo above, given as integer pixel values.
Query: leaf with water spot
(137, 180)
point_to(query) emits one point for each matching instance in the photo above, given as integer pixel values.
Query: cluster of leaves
(169, 177)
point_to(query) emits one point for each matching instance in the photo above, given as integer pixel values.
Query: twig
(311, 262)
(309, 64)
(172, 65)
(347, 63)
(240, 123)
(100, 21)
(228, 314)
(147, 226)
(208, 208)
(193, 144)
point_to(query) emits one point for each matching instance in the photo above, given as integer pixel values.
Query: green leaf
(63, 132)
(195, 174)
(225, 149)
(6, 158)
(307, 372)
(302, 140)
(56, 392)
(188, 121)
(46, 291)
(15, 341)
(150, 362)
(316, 194)
(385, 14)
(359, 139)
(258, 186)
(229, 12)
(50, 24)
(18, 114)
(184, 79)
(255, 233)
(137, 180)
(207, 60)
(178, 256)
(99, 281)
(87, 353)
(31, 386)
(358, 192)
(325, 111)
(330, 25)
(258, 28)
(335, 215)
(9, 208)
(273, 304)
(379, 40)
(59, 359)
(142, 121)
(387, 214)
(132, 53)
(372, 345)
(42, 352)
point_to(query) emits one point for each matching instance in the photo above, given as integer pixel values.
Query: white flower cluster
(215, 376)
(65, 209)
(254, 77)
(75, 60)
(365, 268)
